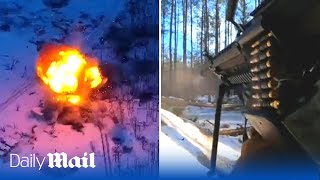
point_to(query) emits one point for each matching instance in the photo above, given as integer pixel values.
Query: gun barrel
(231, 52)
(231, 10)
(232, 55)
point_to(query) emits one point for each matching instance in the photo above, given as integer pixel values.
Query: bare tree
(206, 26)
(163, 22)
(243, 8)
(191, 26)
(185, 22)
(231, 30)
(228, 33)
(217, 26)
(175, 35)
(201, 33)
(170, 35)
(170, 45)
(225, 33)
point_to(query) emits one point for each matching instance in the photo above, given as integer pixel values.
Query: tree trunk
(191, 43)
(225, 33)
(175, 44)
(170, 49)
(228, 33)
(163, 28)
(185, 15)
(208, 27)
(217, 27)
(204, 26)
(231, 30)
(175, 35)
(201, 35)
(243, 8)
(170, 37)
(162, 35)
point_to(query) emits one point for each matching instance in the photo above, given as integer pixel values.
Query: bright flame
(68, 73)
(93, 76)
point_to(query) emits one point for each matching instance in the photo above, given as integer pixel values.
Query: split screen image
(154, 89)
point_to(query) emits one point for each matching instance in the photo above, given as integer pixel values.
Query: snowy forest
(117, 120)
(190, 29)
(207, 43)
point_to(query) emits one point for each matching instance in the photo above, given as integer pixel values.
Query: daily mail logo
(55, 160)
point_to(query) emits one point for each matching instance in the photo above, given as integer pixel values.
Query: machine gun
(274, 67)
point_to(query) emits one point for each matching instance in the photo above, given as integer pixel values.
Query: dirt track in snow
(16, 93)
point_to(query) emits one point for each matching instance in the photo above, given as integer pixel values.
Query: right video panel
(240, 89)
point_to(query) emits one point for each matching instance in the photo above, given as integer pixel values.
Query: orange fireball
(68, 73)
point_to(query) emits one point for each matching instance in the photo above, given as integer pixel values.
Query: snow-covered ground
(175, 160)
(127, 134)
(204, 99)
(178, 133)
(233, 99)
(137, 132)
(31, 24)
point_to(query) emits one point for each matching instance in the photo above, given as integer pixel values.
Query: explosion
(67, 73)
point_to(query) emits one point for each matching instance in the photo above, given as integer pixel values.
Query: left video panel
(79, 89)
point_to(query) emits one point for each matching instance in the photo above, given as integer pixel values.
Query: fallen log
(232, 132)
